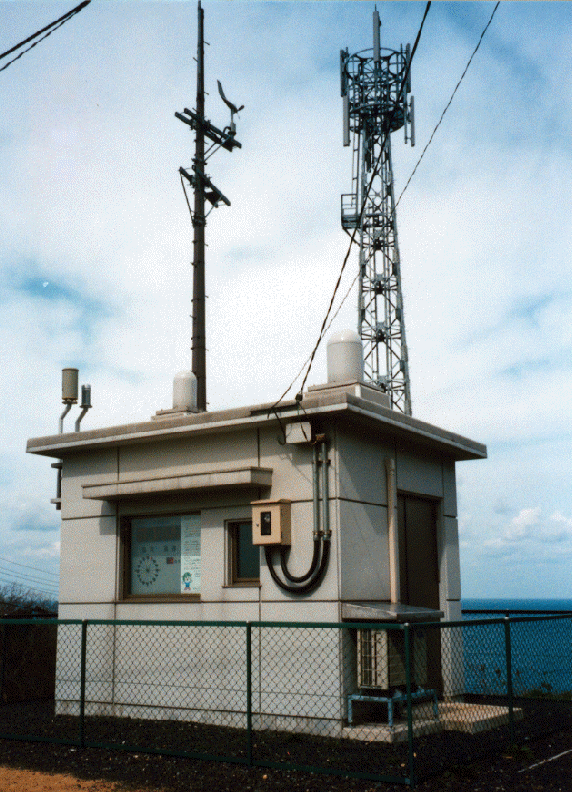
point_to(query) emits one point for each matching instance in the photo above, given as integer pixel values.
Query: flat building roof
(353, 404)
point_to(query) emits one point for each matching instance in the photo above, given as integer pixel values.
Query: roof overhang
(328, 405)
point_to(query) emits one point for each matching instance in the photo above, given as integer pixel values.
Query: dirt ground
(544, 765)
(13, 780)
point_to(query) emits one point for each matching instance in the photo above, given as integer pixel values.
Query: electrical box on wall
(271, 522)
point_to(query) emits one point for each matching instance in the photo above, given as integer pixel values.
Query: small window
(162, 555)
(244, 556)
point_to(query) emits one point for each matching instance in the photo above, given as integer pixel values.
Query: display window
(162, 555)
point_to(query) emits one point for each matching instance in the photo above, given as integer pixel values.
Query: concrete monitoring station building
(333, 509)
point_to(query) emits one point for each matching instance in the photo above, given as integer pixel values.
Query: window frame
(232, 533)
(125, 534)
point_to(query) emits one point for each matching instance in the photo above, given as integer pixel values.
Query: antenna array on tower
(375, 87)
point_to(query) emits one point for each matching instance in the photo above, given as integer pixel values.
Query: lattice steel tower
(377, 102)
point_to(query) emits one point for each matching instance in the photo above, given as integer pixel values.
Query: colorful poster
(191, 554)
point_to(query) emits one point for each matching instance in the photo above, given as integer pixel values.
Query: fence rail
(385, 702)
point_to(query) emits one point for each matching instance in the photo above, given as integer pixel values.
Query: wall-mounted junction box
(271, 522)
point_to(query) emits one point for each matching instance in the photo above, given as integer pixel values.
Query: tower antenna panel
(375, 92)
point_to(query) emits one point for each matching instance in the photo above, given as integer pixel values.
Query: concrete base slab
(453, 716)
(473, 718)
(380, 732)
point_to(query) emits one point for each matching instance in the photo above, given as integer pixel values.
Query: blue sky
(96, 241)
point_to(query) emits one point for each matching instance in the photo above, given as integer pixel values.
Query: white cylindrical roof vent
(185, 391)
(345, 357)
(69, 385)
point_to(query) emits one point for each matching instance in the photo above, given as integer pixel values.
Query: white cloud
(530, 534)
(51, 551)
(92, 204)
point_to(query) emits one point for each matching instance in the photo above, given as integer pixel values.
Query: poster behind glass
(165, 554)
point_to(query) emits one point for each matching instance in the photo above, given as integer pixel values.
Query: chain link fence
(386, 702)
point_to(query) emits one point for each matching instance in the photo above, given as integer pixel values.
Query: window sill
(151, 598)
(246, 584)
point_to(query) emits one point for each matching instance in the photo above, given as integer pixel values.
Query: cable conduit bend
(303, 584)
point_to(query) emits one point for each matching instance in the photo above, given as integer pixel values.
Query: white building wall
(79, 469)
(450, 568)
(88, 560)
(216, 451)
(362, 509)
(291, 464)
(419, 473)
(361, 467)
(300, 679)
(449, 488)
(364, 554)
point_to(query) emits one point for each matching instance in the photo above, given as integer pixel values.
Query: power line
(418, 161)
(338, 309)
(366, 196)
(50, 28)
(28, 566)
(50, 594)
(448, 105)
(28, 578)
(324, 326)
(6, 577)
(63, 18)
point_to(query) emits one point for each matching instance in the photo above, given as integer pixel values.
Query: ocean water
(541, 650)
(518, 604)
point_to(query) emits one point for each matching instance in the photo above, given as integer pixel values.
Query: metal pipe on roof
(63, 415)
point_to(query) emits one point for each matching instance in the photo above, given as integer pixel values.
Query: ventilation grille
(381, 659)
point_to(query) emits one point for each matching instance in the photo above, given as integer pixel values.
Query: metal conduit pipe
(58, 465)
(316, 491)
(327, 533)
(63, 415)
(80, 418)
(284, 551)
(322, 535)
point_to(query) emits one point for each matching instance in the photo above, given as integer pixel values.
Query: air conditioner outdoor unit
(381, 661)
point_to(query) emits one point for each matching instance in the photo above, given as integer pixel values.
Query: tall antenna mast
(204, 190)
(376, 102)
(199, 361)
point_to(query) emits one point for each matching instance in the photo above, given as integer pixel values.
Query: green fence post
(82, 683)
(3, 659)
(249, 691)
(508, 649)
(411, 757)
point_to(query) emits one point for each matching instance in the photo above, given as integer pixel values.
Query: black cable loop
(311, 570)
(311, 584)
(309, 580)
